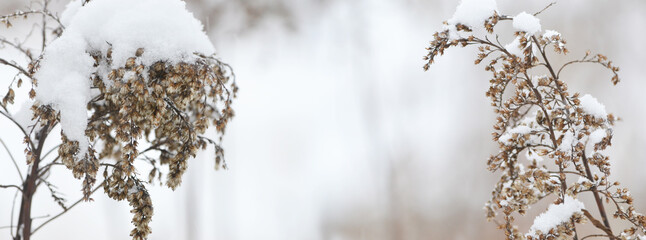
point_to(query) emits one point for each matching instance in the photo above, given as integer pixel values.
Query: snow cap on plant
(126, 72)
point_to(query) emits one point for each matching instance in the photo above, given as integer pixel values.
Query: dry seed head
(170, 106)
(541, 121)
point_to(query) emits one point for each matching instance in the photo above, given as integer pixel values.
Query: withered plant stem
(29, 189)
(595, 192)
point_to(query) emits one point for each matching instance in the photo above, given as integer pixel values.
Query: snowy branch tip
(117, 28)
(555, 215)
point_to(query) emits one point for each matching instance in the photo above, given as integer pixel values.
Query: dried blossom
(167, 107)
(546, 135)
(155, 111)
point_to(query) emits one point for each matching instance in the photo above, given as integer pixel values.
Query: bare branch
(44, 12)
(18, 47)
(15, 164)
(11, 186)
(13, 207)
(54, 194)
(44, 26)
(51, 150)
(66, 210)
(598, 224)
(545, 8)
(14, 65)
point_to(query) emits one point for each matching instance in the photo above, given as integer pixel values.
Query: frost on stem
(544, 132)
(129, 73)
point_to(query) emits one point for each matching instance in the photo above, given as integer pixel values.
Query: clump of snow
(70, 10)
(64, 83)
(567, 142)
(555, 215)
(164, 28)
(591, 106)
(473, 13)
(595, 137)
(551, 33)
(527, 23)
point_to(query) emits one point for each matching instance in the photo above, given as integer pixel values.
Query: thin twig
(13, 207)
(50, 151)
(11, 186)
(598, 224)
(14, 65)
(52, 190)
(38, 217)
(546, 7)
(595, 193)
(25, 13)
(46, 168)
(44, 27)
(69, 208)
(22, 179)
(18, 47)
(6, 114)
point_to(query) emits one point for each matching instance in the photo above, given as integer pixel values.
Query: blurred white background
(340, 134)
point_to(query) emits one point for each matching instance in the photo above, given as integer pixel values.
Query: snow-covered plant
(551, 140)
(127, 81)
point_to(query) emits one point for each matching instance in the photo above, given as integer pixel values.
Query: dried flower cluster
(157, 114)
(550, 140)
(166, 106)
